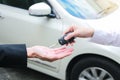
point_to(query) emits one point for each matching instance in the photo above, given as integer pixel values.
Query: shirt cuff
(105, 37)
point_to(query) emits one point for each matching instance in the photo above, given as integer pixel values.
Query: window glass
(25, 4)
(88, 9)
(0, 1)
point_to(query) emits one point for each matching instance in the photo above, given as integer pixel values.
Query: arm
(13, 55)
(105, 36)
(16, 55)
(49, 54)
(103, 31)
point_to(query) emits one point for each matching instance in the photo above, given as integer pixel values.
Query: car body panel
(31, 30)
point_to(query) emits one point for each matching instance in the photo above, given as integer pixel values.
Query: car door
(18, 27)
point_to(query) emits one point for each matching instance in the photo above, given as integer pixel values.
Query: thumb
(69, 36)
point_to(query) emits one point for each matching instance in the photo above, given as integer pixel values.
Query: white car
(42, 22)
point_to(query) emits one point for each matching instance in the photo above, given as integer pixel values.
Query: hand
(48, 54)
(81, 32)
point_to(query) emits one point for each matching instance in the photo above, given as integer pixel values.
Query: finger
(62, 55)
(65, 53)
(70, 35)
(70, 29)
(63, 50)
(59, 56)
(60, 48)
(47, 59)
(72, 43)
(50, 58)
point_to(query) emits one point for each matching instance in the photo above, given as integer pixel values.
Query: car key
(62, 41)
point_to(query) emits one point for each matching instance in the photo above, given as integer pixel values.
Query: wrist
(30, 52)
(91, 32)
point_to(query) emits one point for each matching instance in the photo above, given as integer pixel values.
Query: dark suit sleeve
(13, 55)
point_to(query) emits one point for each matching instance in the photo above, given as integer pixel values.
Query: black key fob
(62, 41)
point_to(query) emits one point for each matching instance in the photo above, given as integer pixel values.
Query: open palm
(49, 54)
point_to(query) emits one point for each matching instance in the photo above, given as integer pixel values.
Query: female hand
(81, 32)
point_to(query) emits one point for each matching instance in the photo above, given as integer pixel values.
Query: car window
(88, 9)
(25, 4)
